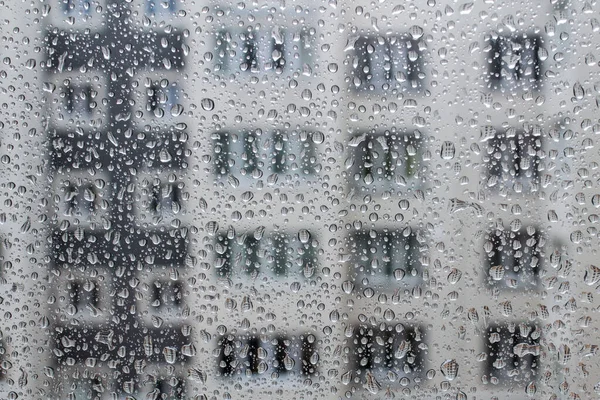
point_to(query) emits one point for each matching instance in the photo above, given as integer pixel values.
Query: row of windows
(86, 201)
(81, 100)
(277, 356)
(82, 8)
(513, 159)
(89, 298)
(379, 355)
(98, 386)
(385, 259)
(164, 294)
(254, 51)
(380, 160)
(381, 259)
(248, 153)
(379, 64)
(391, 259)
(277, 255)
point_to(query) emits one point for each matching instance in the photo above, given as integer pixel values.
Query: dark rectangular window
(513, 159)
(513, 352)
(290, 152)
(386, 160)
(513, 259)
(160, 6)
(171, 389)
(160, 98)
(278, 51)
(389, 259)
(164, 199)
(281, 355)
(386, 63)
(250, 60)
(82, 200)
(514, 62)
(279, 150)
(389, 350)
(224, 51)
(77, 7)
(278, 255)
(236, 255)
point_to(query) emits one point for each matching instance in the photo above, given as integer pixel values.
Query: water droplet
(454, 276)
(304, 236)
(497, 272)
(371, 384)
(592, 275)
(450, 369)
(188, 350)
(448, 150)
(578, 91)
(346, 377)
(288, 362)
(176, 110)
(530, 389)
(207, 104)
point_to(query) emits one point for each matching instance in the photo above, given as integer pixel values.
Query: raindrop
(530, 389)
(447, 151)
(371, 384)
(346, 377)
(592, 275)
(347, 286)
(497, 272)
(454, 276)
(304, 236)
(576, 237)
(578, 91)
(288, 362)
(176, 110)
(416, 32)
(399, 274)
(207, 104)
(450, 369)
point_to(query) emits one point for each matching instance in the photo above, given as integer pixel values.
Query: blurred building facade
(300, 200)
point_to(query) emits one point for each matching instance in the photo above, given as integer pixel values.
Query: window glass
(271, 199)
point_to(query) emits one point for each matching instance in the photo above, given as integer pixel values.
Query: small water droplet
(207, 104)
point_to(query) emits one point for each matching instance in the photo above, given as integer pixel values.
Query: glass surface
(299, 199)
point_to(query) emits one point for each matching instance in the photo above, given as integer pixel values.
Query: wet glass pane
(299, 199)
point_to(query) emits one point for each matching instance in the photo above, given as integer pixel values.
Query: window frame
(498, 51)
(261, 260)
(233, 45)
(502, 238)
(254, 150)
(236, 365)
(397, 156)
(400, 71)
(531, 361)
(394, 238)
(501, 147)
(366, 337)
